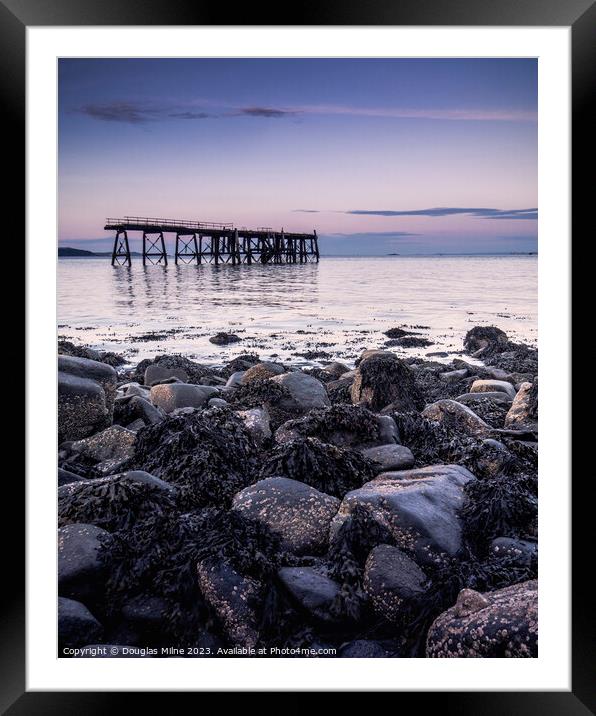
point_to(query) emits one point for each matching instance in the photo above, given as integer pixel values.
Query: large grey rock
(113, 443)
(100, 373)
(419, 507)
(142, 409)
(155, 373)
(305, 391)
(80, 571)
(503, 623)
(523, 413)
(493, 386)
(452, 376)
(390, 579)
(296, 512)
(336, 369)
(482, 338)
(311, 588)
(127, 390)
(76, 625)
(256, 421)
(172, 396)
(390, 457)
(456, 415)
(383, 380)
(233, 598)
(82, 408)
(235, 380)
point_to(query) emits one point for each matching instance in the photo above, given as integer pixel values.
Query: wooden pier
(200, 242)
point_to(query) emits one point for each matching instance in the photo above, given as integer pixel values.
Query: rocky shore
(258, 509)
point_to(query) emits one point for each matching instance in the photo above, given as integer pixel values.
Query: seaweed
(327, 468)
(262, 392)
(115, 504)
(356, 424)
(208, 455)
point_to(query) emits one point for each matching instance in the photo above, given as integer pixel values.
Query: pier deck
(207, 242)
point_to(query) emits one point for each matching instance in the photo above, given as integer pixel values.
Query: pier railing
(155, 221)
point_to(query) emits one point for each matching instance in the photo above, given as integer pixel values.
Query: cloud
(127, 112)
(455, 114)
(306, 211)
(450, 211)
(190, 115)
(265, 112)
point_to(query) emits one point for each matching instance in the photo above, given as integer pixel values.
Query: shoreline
(378, 510)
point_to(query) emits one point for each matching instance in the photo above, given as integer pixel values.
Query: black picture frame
(16, 15)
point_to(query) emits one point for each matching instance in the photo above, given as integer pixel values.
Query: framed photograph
(287, 288)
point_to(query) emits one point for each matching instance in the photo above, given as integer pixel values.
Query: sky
(407, 156)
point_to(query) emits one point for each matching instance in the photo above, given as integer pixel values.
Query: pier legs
(187, 249)
(154, 249)
(121, 251)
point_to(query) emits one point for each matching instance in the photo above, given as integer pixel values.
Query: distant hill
(67, 251)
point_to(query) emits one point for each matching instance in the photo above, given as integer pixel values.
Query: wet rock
(453, 376)
(81, 573)
(296, 512)
(145, 612)
(233, 598)
(493, 386)
(523, 413)
(156, 373)
(76, 625)
(415, 506)
(235, 380)
(396, 332)
(82, 407)
(503, 623)
(390, 579)
(262, 370)
(224, 339)
(113, 443)
(390, 457)
(499, 398)
(456, 416)
(181, 395)
(100, 373)
(363, 649)
(257, 423)
(336, 369)
(523, 553)
(140, 408)
(217, 403)
(305, 392)
(382, 379)
(127, 390)
(65, 477)
(341, 425)
(479, 338)
(312, 589)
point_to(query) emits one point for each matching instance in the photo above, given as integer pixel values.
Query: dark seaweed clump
(353, 422)
(327, 468)
(112, 505)
(159, 555)
(503, 505)
(261, 392)
(208, 455)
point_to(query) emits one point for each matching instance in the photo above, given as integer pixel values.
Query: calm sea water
(340, 306)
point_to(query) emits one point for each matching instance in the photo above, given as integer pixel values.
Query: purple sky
(380, 156)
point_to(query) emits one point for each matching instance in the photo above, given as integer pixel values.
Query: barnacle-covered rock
(383, 380)
(503, 623)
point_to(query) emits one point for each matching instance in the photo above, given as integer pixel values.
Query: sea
(301, 314)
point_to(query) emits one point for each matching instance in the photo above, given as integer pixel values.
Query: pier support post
(316, 242)
(154, 249)
(187, 249)
(121, 250)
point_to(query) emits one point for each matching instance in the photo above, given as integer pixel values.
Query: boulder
(522, 552)
(296, 512)
(140, 408)
(305, 391)
(311, 588)
(232, 597)
(155, 373)
(452, 376)
(76, 625)
(257, 423)
(217, 403)
(419, 507)
(235, 380)
(171, 396)
(503, 623)
(127, 390)
(497, 397)
(100, 373)
(224, 339)
(481, 338)
(390, 457)
(336, 369)
(81, 573)
(113, 443)
(390, 579)
(383, 380)
(493, 386)
(457, 416)
(523, 413)
(262, 370)
(82, 408)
